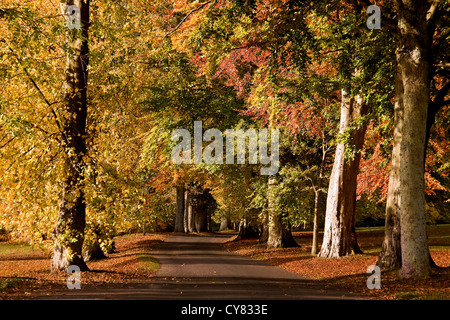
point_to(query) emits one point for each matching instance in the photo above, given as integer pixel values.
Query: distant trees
(195, 205)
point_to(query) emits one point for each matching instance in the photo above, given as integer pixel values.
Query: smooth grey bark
(69, 230)
(414, 66)
(188, 213)
(224, 223)
(391, 255)
(340, 218)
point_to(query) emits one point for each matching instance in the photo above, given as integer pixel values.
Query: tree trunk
(198, 204)
(69, 230)
(264, 234)
(317, 192)
(93, 251)
(246, 230)
(188, 212)
(414, 67)
(199, 214)
(280, 235)
(224, 223)
(390, 255)
(340, 217)
(315, 243)
(179, 219)
(199, 200)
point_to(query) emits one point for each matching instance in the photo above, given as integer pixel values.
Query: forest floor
(25, 270)
(348, 273)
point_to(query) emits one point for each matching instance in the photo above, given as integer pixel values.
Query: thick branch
(432, 11)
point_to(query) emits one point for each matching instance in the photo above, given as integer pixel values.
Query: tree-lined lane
(197, 267)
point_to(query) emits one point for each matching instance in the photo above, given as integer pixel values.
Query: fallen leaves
(349, 273)
(30, 270)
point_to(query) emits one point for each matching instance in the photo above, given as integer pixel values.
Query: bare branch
(442, 65)
(185, 18)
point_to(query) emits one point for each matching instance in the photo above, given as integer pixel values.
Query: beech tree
(69, 231)
(405, 242)
(340, 217)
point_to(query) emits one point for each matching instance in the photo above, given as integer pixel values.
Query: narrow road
(197, 267)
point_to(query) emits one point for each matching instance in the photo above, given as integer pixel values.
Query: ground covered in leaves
(349, 273)
(24, 269)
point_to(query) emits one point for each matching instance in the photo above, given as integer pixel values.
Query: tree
(340, 218)
(414, 68)
(414, 114)
(69, 230)
(279, 233)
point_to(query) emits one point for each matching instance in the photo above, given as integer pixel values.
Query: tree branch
(433, 8)
(442, 65)
(35, 85)
(185, 18)
(4, 145)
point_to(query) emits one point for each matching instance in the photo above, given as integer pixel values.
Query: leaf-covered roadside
(28, 271)
(349, 273)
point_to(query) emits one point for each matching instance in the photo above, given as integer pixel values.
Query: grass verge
(148, 262)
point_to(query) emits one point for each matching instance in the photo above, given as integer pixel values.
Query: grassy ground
(349, 273)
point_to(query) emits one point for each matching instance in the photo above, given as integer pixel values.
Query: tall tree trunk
(391, 255)
(413, 62)
(199, 214)
(200, 201)
(69, 230)
(208, 221)
(224, 223)
(264, 234)
(188, 212)
(280, 235)
(315, 243)
(179, 218)
(317, 193)
(340, 217)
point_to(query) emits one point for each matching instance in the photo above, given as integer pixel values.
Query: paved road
(197, 267)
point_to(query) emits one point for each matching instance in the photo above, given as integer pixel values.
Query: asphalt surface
(198, 268)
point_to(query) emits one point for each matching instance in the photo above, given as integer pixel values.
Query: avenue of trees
(87, 116)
